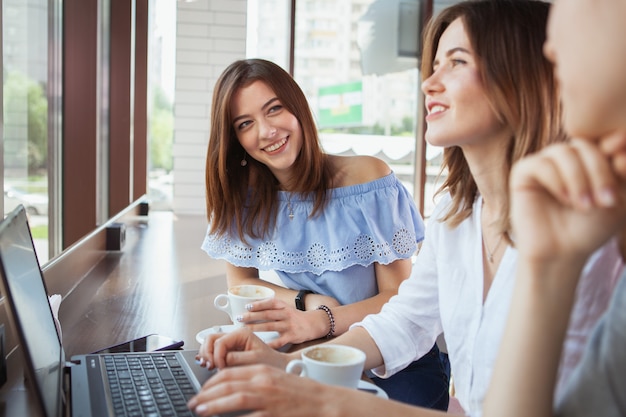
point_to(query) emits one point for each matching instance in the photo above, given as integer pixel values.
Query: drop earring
(243, 161)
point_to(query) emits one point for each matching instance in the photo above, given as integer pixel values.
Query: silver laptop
(92, 384)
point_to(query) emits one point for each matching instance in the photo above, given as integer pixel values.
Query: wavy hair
(507, 37)
(243, 199)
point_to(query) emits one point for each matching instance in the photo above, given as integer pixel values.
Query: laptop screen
(27, 295)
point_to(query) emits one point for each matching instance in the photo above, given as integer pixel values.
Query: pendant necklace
(490, 253)
(289, 207)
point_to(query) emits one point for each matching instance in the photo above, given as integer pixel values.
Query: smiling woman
(267, 131)
(339, 231)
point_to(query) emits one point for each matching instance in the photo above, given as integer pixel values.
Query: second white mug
(234, 303)
(330, 364)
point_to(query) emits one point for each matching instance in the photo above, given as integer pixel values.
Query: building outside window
(162, 60)
(357, 63)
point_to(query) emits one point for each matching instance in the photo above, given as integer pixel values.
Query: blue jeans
(425, 382)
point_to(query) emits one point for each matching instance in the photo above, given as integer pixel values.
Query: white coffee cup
(234, 303)
(330, 364)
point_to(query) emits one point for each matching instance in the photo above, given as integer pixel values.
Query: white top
(444, 293)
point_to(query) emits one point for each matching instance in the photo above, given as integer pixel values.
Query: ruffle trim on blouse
(362, 224)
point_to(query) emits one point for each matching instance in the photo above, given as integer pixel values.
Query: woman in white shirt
(491, 99)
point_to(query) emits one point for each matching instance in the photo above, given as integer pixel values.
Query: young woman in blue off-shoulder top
(338, 231)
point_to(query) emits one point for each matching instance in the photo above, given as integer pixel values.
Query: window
(161, 55)
(361, 107)
(25, 113)
(356, 61)
(35, 134)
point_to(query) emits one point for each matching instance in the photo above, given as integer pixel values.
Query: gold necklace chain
(490, 253)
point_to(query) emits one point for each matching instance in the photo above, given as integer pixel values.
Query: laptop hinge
(69, 364)
(67, 389)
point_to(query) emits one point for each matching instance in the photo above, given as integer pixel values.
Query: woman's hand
(259, 388)
(240, 347)
(267, 391)
(566, 201)
(294, 326)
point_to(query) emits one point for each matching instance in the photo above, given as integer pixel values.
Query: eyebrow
(266, 105)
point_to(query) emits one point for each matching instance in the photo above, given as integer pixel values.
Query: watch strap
(300, 299)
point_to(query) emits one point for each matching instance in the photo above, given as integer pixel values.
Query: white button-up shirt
(445, 294)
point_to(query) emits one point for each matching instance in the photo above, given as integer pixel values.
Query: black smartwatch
(300, 299)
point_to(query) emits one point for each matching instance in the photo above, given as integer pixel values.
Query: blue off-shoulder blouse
(334, 252)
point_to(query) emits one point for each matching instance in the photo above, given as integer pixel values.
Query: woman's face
(459, 112)
(266, 130)
(587, 43)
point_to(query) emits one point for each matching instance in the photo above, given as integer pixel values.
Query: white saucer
(227, 328)
(364, 385)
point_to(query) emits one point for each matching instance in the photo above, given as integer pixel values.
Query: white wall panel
(211, 34)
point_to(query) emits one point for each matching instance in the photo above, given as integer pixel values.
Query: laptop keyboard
(148, 385)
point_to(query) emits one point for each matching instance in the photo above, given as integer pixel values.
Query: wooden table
(162, 282)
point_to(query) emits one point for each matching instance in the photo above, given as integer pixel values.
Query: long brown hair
(507, 37)
(244, 198)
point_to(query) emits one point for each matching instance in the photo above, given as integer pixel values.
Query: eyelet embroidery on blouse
(316, 255)
(340, 255)
(364, 248)
(404, 241)
(292, 258)
(384, 249)
(241, 252)
(219, 246)
(267, 254)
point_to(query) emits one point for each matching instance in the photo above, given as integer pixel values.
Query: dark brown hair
(243, 200)
(507, 37)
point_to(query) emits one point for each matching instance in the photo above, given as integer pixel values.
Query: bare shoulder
(352, 170)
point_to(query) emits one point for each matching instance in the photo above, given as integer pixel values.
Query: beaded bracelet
(331, 319)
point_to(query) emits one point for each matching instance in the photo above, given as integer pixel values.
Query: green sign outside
(341, 105)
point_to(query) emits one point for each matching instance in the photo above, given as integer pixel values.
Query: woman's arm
(566, 202)
(272, 392)
(525, 371)
(242, 347)
(358, 170)
(297, 326)
(388, 277)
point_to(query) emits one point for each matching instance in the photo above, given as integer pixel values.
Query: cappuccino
(332, 354)
(330, 364)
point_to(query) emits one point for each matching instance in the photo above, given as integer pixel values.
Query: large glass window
(31, 118)
(162, 59)
(25, 113)
(363, 88)
(357, 63)
(269, 30)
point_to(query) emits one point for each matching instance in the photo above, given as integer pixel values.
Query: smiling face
(459, 112)
(266, 130)
(587, 43)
